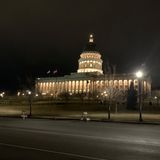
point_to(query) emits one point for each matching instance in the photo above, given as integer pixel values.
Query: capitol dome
(90, 59)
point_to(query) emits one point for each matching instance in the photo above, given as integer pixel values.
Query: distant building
(89, 78)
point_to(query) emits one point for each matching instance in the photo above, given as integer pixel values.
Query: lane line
(50, 151)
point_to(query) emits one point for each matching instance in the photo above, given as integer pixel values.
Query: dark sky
(40, 35)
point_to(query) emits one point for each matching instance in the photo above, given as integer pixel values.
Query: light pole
(139, 76)
(156, 98)
(30, 102)
(105, 96)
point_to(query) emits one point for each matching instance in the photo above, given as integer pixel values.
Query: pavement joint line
(50, 151)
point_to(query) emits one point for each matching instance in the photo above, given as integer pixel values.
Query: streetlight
(156, 98)
(30, 102)
(105, 96)
(139, 76)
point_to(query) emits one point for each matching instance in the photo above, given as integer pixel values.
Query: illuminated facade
(89, 78)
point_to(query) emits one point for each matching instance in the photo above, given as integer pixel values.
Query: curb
(91, 120)
(96, 120)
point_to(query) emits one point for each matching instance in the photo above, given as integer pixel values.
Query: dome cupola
(90, 59)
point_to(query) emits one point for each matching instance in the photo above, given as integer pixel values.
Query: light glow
(139, 74)
(91, 38)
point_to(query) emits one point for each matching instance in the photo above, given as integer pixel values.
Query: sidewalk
(124, 117)
(118, 118)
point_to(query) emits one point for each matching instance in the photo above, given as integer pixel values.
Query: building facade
(89, 78)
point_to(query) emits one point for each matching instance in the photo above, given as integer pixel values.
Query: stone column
(82, 86)
(78, 86)
(71, 86)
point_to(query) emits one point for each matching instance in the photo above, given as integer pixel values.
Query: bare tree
(112, 94)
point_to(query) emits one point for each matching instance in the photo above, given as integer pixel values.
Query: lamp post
(30, 102)
(105, 96)
(156, 98)
(139, 76)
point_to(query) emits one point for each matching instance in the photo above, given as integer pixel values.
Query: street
(75, 140)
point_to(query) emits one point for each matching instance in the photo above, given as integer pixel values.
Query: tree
(112, 93)
(81, 96)
(131, 97)
(64, 96)
(112, 96)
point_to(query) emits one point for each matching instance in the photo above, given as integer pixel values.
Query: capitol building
(89, 78)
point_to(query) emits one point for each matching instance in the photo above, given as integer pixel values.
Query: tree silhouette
(131, 97)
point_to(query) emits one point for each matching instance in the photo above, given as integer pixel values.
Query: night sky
(40, 35)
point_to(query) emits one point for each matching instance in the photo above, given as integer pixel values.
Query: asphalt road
(76, 140)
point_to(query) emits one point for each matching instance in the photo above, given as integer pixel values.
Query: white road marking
(50, 151)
